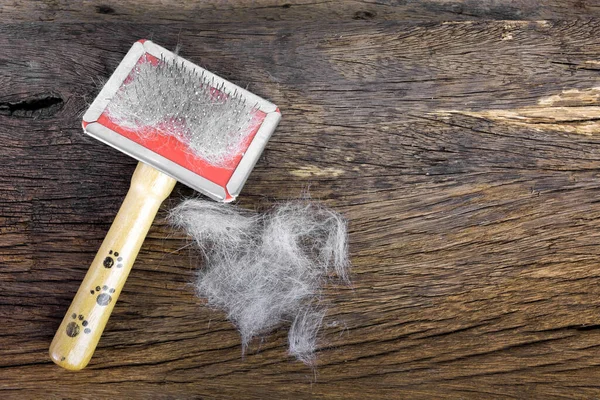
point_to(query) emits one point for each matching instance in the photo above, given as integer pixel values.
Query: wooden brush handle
(82, 326)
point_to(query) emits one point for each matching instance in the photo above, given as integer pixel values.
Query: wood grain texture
(474, 219)
(261, 11)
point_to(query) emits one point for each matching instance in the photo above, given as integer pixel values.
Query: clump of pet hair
(268, 269)
(173, 99)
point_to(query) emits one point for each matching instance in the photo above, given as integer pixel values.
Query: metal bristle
(174, 100)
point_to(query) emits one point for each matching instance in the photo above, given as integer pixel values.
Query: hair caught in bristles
(171, 99)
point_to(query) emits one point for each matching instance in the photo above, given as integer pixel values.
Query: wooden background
(458, 137)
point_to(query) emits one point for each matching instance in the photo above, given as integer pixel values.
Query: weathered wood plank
(465, 156)
(210, 11)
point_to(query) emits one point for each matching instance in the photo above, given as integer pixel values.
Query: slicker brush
(182, 123)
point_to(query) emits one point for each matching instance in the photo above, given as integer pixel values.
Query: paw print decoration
(104, 295)
(109, 261)
(73, 327)
(78, 320)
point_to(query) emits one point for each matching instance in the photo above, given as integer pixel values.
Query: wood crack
(42, 106)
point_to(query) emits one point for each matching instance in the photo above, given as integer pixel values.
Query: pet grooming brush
(182, 123)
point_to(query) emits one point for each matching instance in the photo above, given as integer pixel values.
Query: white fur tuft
(267, 269)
